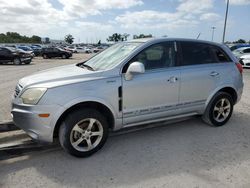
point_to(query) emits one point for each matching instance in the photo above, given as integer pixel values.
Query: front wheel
(83, 132)
(17, 61)
(219, 109)
(64, 56)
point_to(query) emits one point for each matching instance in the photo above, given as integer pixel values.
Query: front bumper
(27, 118)
(26, 59)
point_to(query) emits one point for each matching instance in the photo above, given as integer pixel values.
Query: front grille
(17, 90)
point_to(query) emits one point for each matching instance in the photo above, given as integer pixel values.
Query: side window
(157, 56)
(194, 53)
(220, 55)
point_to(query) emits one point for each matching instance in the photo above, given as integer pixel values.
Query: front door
(153, 94)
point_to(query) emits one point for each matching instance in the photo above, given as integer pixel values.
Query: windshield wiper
(87, 66)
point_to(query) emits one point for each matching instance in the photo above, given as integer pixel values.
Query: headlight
(32, 95)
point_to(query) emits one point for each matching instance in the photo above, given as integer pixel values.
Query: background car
(88, 50)
(72, 49)
(241, 51)
(10, 54)
(245, 61)
(55, 52)
(37, 50)
(98, 49)
(234, 47)
(26, 49)
(80, 49)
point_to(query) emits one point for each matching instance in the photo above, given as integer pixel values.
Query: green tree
(115, 38)
(36, 39)
(99, 43)
(14, 37)
(240, 41)
(69, 39)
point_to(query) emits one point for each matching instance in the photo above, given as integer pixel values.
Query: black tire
(211, 111)
(17, 61)
(64, 56)
(45, 56)
(74, 118)
(26, 63)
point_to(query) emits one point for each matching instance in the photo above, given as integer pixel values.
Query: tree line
(14, 37)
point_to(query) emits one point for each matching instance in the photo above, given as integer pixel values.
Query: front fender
(82, 100)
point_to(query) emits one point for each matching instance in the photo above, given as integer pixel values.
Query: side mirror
(134, 68)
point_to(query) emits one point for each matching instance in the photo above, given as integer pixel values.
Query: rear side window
(220, 55)
(194, 53)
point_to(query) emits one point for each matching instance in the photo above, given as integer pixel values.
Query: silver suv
(128, 84)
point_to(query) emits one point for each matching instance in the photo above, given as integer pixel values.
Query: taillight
(240, 68)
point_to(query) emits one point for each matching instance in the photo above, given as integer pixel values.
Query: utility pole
(213, 28)
(198, 36)
(225, 23)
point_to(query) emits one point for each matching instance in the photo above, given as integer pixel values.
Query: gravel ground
(184, 154)
(10, 74)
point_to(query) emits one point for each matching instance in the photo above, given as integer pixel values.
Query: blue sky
(91, 20)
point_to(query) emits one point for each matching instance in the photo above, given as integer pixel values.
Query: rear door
(201, 71)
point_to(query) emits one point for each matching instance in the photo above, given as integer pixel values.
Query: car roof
(243, 48)
(163, 39)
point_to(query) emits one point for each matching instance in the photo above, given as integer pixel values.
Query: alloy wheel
(221, 110)
(86, 134)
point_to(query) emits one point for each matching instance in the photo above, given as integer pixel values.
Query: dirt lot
(10, 74)
(185, 154)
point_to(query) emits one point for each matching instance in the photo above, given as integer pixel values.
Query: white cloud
(83, 8)
(210, 17)
(239, 2)
(153, 19)
(93, 26)
(39, 17)
(196, 7)
(188, 14)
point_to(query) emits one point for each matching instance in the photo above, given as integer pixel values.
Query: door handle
(172, 79)
(214, 73)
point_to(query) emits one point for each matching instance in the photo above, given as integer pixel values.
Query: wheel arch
(228, 89)
(87, 104)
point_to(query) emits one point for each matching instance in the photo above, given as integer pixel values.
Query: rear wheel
(17, 61)
(27, 62)
(83, 132)
(45, 56)
(219, 109)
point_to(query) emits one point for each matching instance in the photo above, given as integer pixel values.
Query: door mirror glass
(134, 68)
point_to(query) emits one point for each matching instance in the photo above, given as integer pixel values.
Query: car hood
(245, 56)
(59, 76)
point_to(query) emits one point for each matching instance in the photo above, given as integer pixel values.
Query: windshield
(111, 56)
(12, 49)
